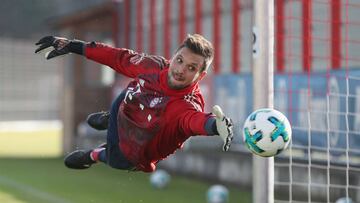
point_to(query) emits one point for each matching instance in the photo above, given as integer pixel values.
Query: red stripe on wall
(235, 36)
(307, 41)
(127, 14)
(182, 20)
(167, 29)
(115, 23)
(280, 65)
(335, 34)
(152, 41)
(216, 32)
(198, 16)
(139, 25)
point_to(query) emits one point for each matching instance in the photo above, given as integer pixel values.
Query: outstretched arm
(199, 123)
(61, 46)
(124, 61)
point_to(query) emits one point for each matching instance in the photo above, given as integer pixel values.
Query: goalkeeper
(158, 111)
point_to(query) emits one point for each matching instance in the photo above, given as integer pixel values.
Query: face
(185, 69)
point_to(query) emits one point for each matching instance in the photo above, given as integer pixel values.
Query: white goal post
(263, 95)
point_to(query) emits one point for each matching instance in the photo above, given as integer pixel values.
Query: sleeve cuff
(210, 126)
(77, 47)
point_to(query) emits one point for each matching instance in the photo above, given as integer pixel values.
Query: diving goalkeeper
(158, 111)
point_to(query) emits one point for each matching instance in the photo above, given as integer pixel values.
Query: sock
(94, 155)
(102, 156)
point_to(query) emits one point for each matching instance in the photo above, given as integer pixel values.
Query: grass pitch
(47, 181)
(31, 172)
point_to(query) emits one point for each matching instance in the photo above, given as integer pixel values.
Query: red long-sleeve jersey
(153, 120)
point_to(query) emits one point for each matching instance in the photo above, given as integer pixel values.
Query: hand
(224, 127)
(60, 45)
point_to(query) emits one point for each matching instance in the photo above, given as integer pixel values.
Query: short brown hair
(201, 46)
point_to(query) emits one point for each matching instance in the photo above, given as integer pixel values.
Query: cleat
(79, 159)
(99, 120)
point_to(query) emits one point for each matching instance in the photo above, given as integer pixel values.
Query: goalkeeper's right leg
(81, 159)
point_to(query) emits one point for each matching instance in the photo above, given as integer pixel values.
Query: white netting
(30, 86)
(322, 103)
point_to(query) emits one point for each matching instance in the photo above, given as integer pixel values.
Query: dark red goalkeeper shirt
(153, 120)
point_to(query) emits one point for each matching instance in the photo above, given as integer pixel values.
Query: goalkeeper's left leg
(99, 120)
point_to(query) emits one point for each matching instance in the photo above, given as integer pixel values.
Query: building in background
(87, 85)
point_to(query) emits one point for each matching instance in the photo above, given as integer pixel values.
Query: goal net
(318, 88)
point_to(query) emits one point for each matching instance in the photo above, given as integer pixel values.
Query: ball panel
(251, 141)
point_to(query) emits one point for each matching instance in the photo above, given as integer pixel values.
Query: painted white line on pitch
(7, 182)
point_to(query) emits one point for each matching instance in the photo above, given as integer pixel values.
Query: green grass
(47, 180)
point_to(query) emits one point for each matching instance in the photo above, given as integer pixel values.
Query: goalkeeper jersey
(153, 120)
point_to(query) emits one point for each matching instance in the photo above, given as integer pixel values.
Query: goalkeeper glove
(224, 127)
(61, 46)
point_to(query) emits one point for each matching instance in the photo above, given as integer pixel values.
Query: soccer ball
(267, 132)
(217, 194)
(159, 179)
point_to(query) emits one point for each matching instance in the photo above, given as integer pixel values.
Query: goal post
(263, 95)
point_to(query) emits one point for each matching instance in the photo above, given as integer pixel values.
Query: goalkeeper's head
(190, 62)
(201, 46)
